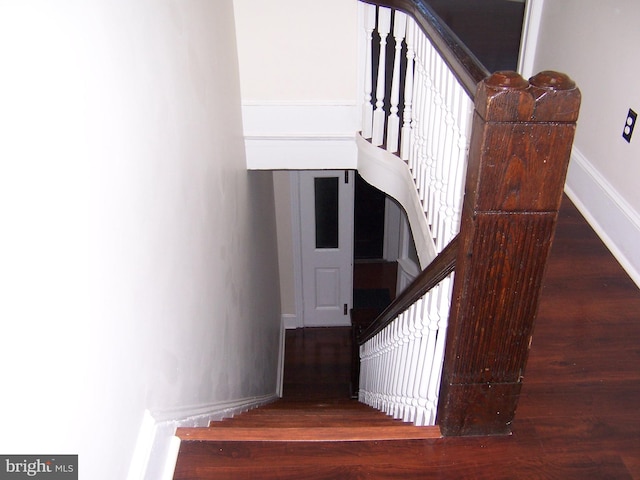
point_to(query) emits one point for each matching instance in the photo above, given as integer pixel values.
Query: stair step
(302, 460)
(294, 440)
(306, 434)
(304, 421)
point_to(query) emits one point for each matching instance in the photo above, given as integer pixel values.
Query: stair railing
(452, 349)
(422, 104)
(418, 104)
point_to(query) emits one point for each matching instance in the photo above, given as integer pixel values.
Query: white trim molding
(281, 354)
(608, 213)
(156, 452)
(300, 136)
(291, 321)
(296, 320)
(389, 173)
(529, 38)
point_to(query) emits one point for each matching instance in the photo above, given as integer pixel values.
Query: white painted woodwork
(327, 273)
(436, 120)
(383, 28)
(293, 136)
(401, 366)
(367, 107)
(393, 122)
(408, 92)
(390, 174)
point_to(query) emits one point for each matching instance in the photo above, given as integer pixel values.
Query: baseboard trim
(281, 354)
(608, 213)
(291, 321)
(157, 446)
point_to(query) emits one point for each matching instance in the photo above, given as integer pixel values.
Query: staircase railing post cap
(507, 80)
(553, 80)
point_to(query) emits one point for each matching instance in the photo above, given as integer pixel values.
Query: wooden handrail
(464, 64)
(433, 274)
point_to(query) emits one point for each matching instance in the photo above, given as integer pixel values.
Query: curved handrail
(433, 274)
(464, 64)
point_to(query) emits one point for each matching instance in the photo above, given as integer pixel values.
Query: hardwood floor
(578, 414)
(317, 364)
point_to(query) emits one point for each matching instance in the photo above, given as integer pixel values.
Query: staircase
(288, 439)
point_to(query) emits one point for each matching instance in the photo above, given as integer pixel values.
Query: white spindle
(405, 134)
(401, 366)
(393, 122)
(412, 40)
(384, 27)
(367, 106)
(419, 114)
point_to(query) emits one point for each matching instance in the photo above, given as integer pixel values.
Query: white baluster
(431, 330)
(444, 158)
(444, 303)
(454, 164)
(405, 135)
(432, 131)
(367, 106)
(466, 115)
(409, 371)
(389, 367)
(393, 122)
(421, 100)
(397, 365)
(418, 366)
(384, 27)
(403, 346)
(415, 97)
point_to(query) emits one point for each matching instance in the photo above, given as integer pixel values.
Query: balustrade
(452, 348)
(401, 365)
(436, 114)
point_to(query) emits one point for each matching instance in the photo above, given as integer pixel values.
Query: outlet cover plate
(630, 122)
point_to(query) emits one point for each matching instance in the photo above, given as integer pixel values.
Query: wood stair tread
(301, 422)
(307, 434)
(301, 440)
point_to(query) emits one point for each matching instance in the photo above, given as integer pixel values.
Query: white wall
(138, 254)
(290, 50)
(596, 43)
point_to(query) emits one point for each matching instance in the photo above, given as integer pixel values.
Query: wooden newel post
(519, 154)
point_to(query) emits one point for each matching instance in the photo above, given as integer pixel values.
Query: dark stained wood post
(519, 154)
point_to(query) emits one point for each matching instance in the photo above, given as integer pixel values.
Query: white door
(326, 225)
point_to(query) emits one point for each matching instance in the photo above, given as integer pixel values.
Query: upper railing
(418, 102)
(452, 349)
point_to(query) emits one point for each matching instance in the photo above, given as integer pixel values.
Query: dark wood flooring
(578, 415)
